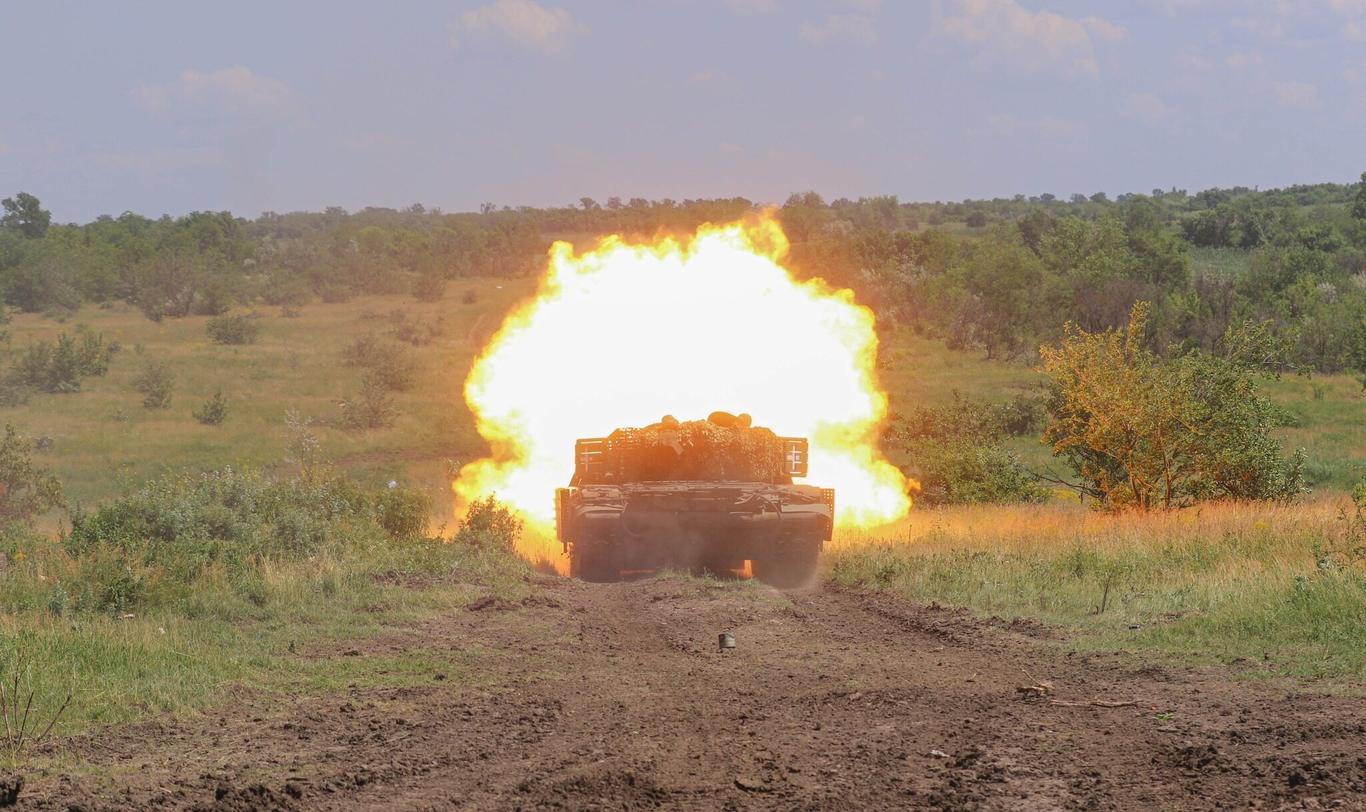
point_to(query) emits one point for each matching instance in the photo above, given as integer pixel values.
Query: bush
(1024, 414)
(403, 512)
(26, 491)
(156, 382)
(418, 333)
(373, 408)
(366, 350)
(957, 456)
(390, 366)
(214, 411)
(488, 523)
(234, 329)
(181, 527)
(59, 366)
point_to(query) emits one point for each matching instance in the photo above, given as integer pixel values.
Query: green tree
(1359, 205)
(26, 214)
(1147, 432)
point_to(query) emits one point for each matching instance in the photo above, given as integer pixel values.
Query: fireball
(627, 332)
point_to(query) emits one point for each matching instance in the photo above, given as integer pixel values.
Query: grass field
(126, 666)
(104, 442)
(1281, 589)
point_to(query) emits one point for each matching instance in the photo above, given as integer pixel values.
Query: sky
(171, 107)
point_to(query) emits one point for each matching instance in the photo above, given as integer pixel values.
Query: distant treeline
(1000, 275)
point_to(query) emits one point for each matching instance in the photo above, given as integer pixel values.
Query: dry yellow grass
(1279, 584)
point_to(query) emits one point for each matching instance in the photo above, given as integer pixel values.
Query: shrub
(366, 350)
(59, 366)
(403, 512)
(156, 382)
(26, 490)
(214, 411)
(1022, 415)
(390, 366)
(372, 408)
(957, 456)
(418, 333)
(488, 523)
(234, 329)
(174, 529)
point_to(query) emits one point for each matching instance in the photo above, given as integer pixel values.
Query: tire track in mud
(616, 696)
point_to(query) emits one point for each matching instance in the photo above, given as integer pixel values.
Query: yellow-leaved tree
(1145, 431)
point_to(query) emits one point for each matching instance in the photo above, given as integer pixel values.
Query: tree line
(1001, 276)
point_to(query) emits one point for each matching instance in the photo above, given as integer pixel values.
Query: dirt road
(616, 697)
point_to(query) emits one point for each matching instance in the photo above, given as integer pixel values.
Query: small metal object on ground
(725, 640)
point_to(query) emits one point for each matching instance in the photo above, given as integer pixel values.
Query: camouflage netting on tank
(701, 450)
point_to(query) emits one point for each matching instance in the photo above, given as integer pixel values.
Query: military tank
(703, 495)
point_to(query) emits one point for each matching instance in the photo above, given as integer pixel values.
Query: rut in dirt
(617, 696)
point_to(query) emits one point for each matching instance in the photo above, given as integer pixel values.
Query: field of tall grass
(159, 599)
(1279, 587)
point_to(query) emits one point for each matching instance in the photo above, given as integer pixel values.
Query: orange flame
(625, 333)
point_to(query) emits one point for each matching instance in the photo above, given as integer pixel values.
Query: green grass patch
(1284, 585)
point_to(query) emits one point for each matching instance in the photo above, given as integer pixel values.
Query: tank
(703, 495)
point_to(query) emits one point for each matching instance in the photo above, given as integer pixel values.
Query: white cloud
(521, 22)
(1297, 95)
(1349, 8)
(1355, 30)
(1146, 107)
(235, 90)
(1005, 32)
(850, 27)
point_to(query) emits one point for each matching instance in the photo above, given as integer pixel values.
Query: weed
(23, 727)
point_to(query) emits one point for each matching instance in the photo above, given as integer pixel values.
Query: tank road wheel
(594, 566)
(788, 566)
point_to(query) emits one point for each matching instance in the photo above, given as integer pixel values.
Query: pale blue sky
(250, 106)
